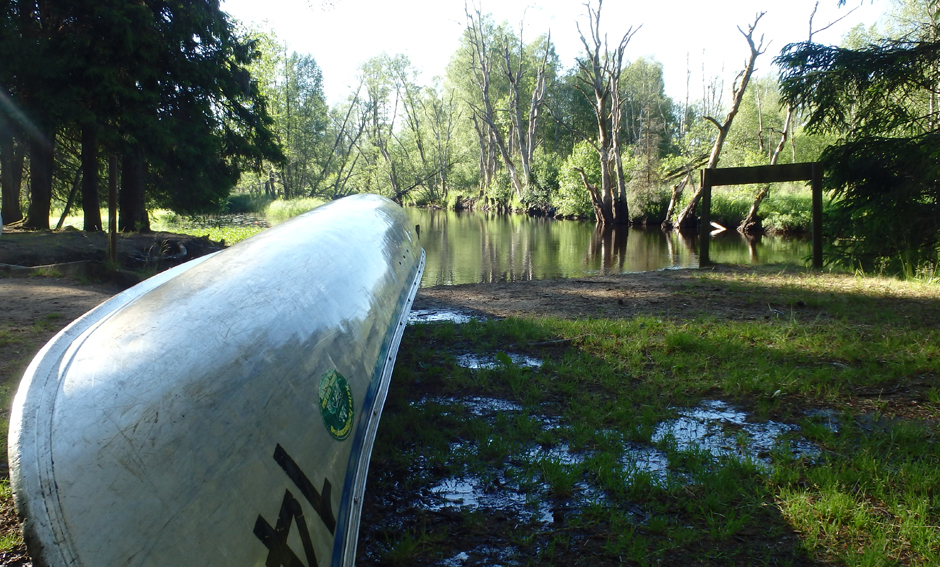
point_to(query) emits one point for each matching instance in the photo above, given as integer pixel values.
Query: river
(473, 247)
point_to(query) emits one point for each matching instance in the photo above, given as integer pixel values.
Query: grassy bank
(847, 375)
(244, 217)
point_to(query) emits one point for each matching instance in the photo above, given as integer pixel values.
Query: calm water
(479, 247)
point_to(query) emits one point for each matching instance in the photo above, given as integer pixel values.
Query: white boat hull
(223, 412)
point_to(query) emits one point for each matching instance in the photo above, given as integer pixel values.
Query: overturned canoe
(222, 412)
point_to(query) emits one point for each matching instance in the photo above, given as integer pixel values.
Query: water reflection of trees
(619, 249)
(609, 245)
(475, 248)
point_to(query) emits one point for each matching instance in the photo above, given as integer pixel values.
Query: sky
(691, 38)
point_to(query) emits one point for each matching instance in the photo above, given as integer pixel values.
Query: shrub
(572, 199)
(240, 203)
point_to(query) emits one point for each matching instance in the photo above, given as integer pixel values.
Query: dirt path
(662, 293)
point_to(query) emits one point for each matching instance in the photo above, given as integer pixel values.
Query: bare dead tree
(599, 82)
(751, 223)
(482, 70)
(524, 133)
(686, 217)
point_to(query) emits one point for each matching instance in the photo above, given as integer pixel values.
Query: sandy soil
(662, 293)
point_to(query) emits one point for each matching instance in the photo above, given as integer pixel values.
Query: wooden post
(817, 216)
(762, 174)
(112, 209)
(704, 234)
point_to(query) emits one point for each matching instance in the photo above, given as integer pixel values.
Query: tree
(36, 50)
(441, 115)
(392, 158)
(11, 170)
(599, 82)
(686, 217)
(163, 83)
(884, 171)
(301, 119)
(649, 130)
(483, 67)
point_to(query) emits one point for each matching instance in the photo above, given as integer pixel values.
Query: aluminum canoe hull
(222, 412)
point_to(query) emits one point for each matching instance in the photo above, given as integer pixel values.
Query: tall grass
(281, 210)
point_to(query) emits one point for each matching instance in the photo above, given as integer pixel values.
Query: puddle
(455, 561)
(484, 556)
(499, 498)
(438, 316)
(475, 362)
(724, 431)
(478, 406)
(517, 491)
(561, 454)
(827, 417)
(645, 459)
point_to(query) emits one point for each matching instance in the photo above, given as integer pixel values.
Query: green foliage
(883, 169)
(573, 199)
(301, 118)
(731, 204)
(500, 193)
(786, 209)
(789, 211)
(247, 203)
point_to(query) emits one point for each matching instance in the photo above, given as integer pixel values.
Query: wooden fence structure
(812, 171)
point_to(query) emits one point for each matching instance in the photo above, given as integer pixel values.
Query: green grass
(218, 228)
(10, 539)
(866, 348)
(281, 210)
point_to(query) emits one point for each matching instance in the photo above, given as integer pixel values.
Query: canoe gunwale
(345, 547)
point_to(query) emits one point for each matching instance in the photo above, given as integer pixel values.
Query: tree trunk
(687, 217)
(751, 224)
(600, 213)
(91, 206)
(71, 198)
(41, 165)
(8, 180)
(600, 84)
(131, 200)
(676, 193)
(621, 213)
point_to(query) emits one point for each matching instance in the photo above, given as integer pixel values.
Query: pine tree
(881, 99)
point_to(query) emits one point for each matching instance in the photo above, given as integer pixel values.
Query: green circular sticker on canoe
(336, 404)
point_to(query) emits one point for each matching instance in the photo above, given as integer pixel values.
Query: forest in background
(183, 107)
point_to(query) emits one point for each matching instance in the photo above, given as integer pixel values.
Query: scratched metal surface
(183, 422)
